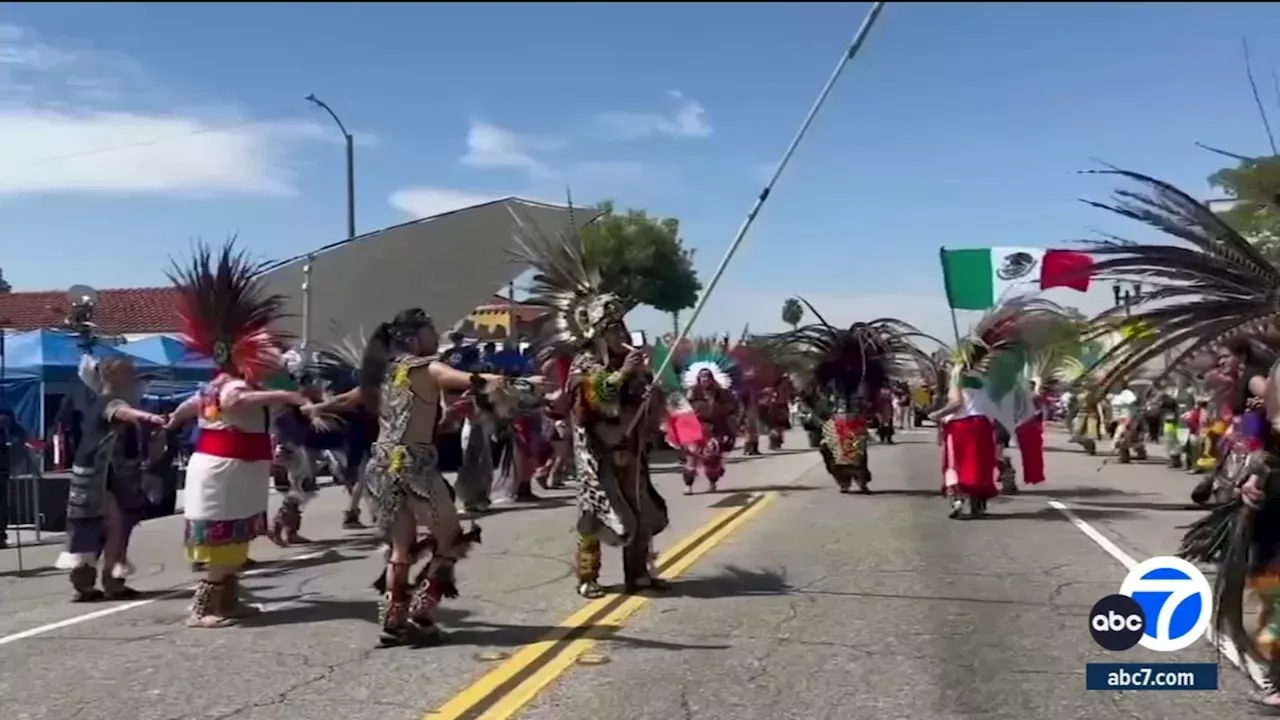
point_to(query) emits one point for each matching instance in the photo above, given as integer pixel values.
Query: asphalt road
(792, 601)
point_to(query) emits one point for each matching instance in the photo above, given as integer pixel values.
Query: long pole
(513, 338)
(351, 184)
(6, 457)
(858, 39)
(306, 304)
(350, 143)
(946, 283)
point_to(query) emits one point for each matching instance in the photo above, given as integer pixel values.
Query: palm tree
(792, 312)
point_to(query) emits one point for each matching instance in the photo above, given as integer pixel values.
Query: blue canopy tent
(52, 359)
(20, 394)
(53, 356)
(172, 358)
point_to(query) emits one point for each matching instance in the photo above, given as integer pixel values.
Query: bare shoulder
(415, 362)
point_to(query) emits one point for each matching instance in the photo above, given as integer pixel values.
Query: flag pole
(858, 39)
(946, 283)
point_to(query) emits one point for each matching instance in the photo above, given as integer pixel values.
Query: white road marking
(114, 609)
(1248, 665)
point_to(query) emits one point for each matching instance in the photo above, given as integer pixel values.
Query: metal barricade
(21, 475)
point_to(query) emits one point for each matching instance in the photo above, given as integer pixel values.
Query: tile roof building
(120, 311)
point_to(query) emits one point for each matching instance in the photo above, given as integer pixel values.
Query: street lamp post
(351, 214)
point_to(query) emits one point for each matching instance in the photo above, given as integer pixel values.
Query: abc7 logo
(1117, 622)
(1165, 605)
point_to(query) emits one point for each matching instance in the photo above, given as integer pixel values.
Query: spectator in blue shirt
(459, 355)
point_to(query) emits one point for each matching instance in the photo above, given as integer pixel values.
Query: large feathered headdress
(226, 313)
(567, 282)
(1212, 285)
(338, 365)
(1011, 333)
(709, 354)
(860, 359)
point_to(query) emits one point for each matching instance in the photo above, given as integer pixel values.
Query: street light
(351, 214)
(1127, 298)
(351, 163)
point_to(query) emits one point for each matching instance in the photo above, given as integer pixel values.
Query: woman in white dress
(227, 315)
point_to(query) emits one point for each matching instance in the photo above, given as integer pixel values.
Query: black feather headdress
(338, 365)
(860, 360)
(1210, 285)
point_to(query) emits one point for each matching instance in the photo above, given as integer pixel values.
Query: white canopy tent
(447, 265)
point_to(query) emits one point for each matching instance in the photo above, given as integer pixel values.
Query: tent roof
(447, 264)
(52, 354)
(166, 351)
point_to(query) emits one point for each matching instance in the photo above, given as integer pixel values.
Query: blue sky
(128, 129)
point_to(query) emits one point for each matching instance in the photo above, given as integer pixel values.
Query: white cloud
(75, 119)
(50, 151)
(420, 202)
(493, 147)
(600, 178)
(689, 120)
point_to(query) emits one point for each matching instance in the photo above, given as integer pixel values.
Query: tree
(792, 312)
(643, 259)
(1254, 185)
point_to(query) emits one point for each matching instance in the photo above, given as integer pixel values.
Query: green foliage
(792, 312)
(1254, 183)
(642, 258)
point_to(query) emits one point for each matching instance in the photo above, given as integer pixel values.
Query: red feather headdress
(226, 313)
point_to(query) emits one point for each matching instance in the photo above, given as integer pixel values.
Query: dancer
(707, 386)
(1128, 439)
(294, 460)
(986, 373)
(883, 413)
(475, 477)
(777, 411)
(556, 463)
(1214, 287)
(757, 374)
(105, 499)
(608, 403)
(1030, 437)
(851, 368)
(337, 368)
(401, 382)
(226, 314)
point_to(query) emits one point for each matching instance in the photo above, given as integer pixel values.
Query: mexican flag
(977, 279)
(681, 422)
(1004, 392)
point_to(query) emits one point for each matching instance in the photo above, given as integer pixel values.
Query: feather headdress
(709, 355)
(755, 359)
(338, 365)
(1211, 286)
(226, 313)
(1010, 333)
(1055, 360)
(859, 360)
(567, 282)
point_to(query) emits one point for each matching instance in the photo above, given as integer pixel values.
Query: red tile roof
(151, 310)
(119, 311)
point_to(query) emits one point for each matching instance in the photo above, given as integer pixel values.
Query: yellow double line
(506, 689)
